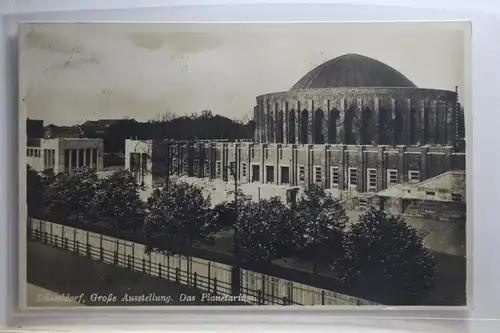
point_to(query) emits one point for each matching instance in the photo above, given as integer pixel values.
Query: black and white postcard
(177, 164)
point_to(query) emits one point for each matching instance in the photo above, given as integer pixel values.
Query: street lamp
(235, 270)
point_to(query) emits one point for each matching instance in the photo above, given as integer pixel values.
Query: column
(92, 159)
(85, 162)
(286, 121)
(432, 120)
(298, 121)
(340, 106)
(392, 121)
(263, 148)
(422, 128)
(450, 129)
(406, 135)
(310, 121)
(375, 121)
(70, 162)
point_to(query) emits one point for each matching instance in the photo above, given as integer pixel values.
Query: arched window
(304, 124)
(398, 127)
(332, 125)
(348, 126)
(270, 124)
(413, 126)
(279, 127)
(384, 126)
(291, 126)
(366, 127)
(319, 118)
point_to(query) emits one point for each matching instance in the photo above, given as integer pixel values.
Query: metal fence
(205, 275)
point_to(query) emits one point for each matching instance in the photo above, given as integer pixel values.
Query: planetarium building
(351, 125)
(353, 99)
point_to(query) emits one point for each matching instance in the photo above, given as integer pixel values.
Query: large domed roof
(353, 70)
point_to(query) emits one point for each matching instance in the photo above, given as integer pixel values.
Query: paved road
(54, 271)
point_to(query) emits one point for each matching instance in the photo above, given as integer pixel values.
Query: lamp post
(235, 270)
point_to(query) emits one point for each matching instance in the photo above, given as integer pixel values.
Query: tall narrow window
(372, 180)
(255, 173)
(269, 174)
(218, 169)
(302, 174)
(243, 170)
(353, 177)
(304, 127)
(318, 175)
(392, 177)
(334, 176)
(414, 176)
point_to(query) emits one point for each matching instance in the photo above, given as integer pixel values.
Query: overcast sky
(70, 72)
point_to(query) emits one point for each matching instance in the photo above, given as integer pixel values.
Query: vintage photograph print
(243, 163)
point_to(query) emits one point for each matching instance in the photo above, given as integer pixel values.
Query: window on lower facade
(318, 177)
(353, 177)
(269, 174)
(457, 197)
(302, 174)
(243, 170)
(218, 169)
(285, 175)
(371, 175)
(334, 176)
(255, 173)
(392, 177)
(430, 193)
(414, 176)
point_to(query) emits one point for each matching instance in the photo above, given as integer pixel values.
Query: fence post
(159, 270)
(129, 262)
(101, 252)
(215, 286)
(77, 247)
(168, 267)
(194, 279)
(322, 297)
(89, 254)
(208, 277)
(52, 233)
(260, 297)
(144, 265)
(177, 274)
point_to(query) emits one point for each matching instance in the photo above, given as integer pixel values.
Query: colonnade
(365, 121)
(83, 157)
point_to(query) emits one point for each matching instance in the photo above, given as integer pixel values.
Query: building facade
(64, 154)
(344, 168)
(354, 99)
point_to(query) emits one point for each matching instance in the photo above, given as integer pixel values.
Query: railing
(207, 276)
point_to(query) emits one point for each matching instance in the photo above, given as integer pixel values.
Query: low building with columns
(65, 154)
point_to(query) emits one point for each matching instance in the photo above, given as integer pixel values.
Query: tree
(224, 212)
(178, 215)
(35, 191)
(71, 195)
(118, 202)
(384, 257)
(267, 230)
(322, 220)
